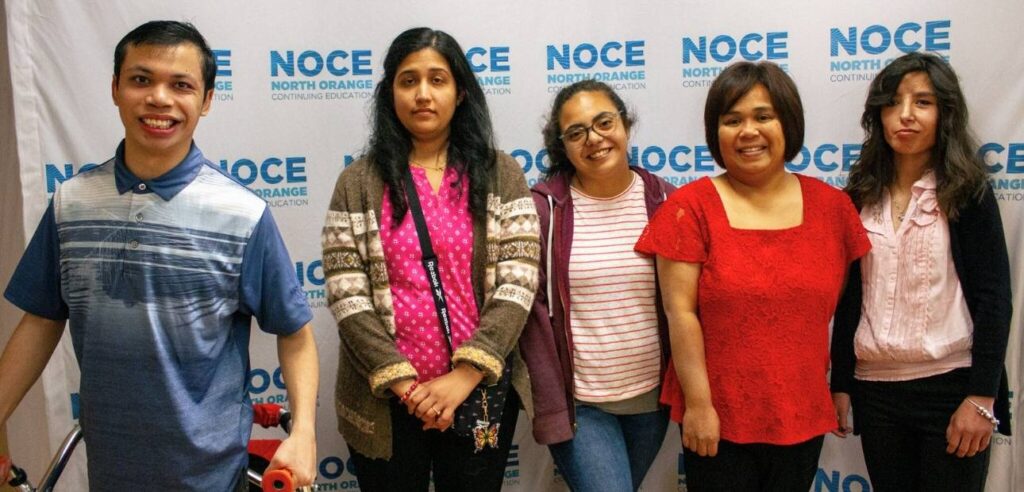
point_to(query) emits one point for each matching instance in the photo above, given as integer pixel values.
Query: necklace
(901, 212)
(428, 168)
(439, 164)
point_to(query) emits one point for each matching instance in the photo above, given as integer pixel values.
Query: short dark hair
(471, 148)
(960, 173)
(560, 163)
(735, 82)
(168, 33)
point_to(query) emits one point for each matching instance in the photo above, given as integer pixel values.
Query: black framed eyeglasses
(603, 124)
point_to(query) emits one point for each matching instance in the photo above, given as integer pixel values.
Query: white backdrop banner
(291, 110)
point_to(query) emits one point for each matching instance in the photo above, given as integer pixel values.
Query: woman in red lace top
(752, 262)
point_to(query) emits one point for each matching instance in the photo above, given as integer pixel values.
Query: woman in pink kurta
(406, 380)
(417, 329)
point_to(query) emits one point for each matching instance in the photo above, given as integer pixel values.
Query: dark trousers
(754, 467)
(455, 465)
(902, 426)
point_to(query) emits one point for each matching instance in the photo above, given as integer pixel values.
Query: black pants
(416, 452)
(754, 467)
(903, 432)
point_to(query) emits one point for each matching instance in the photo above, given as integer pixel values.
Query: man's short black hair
(168, 33)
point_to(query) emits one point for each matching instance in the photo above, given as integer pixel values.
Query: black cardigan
(979, 254)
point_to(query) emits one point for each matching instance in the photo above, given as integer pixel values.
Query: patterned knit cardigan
(506, 252)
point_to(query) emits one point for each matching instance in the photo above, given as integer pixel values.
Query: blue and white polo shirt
(159, 280)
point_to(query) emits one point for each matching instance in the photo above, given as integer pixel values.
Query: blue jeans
(610, 452)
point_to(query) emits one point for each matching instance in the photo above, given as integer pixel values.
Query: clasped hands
(435, 401)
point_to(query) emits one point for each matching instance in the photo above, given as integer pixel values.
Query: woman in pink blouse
(404, 368)
(921, 332)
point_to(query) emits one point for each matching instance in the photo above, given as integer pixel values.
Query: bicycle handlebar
(19, 479)
(264, 414)
(278, 481)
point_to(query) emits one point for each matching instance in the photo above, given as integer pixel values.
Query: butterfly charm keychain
(485, 434)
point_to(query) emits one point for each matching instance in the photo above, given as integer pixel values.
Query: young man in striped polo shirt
(158, 262)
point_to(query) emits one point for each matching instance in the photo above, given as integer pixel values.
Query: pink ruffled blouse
(914, 320)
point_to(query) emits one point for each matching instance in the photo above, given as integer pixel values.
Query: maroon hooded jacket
(546, 342)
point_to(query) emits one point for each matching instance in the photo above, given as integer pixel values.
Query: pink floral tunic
(417, 329)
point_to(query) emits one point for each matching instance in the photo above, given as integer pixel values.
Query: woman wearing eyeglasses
(753, 262)
(595, 343)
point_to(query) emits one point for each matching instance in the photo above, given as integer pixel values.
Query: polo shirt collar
(167, 185)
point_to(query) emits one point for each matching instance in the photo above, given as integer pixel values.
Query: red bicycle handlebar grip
(266, 414)
(278, 481)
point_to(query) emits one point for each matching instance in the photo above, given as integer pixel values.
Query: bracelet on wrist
(405, 397)
(986, 413)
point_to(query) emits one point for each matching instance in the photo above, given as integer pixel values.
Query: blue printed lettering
(529, 161)
(311, 63)
(56, 176)
(835, 483)
(313, 272)
(822, 157)
(653, 158)
(1014, 157)
(331, 467)
(258, 375)
(723, 48)
(269, 170)
(222, 59)
(260, 380)
(876, 39)
(496, 62)
(585, 55)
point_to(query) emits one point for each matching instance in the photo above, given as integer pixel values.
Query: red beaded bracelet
(409, 391)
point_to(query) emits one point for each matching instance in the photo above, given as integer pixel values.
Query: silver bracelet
(984, 412)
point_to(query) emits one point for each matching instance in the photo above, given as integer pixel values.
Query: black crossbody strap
(429, 259)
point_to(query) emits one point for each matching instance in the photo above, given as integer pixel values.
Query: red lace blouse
(765, 299)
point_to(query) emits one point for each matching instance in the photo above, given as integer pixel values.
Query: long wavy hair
(560, 163)
(960, 173)
(471, 147)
